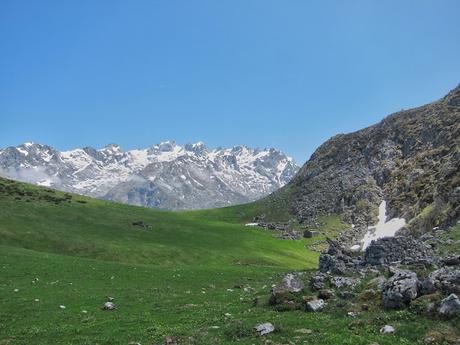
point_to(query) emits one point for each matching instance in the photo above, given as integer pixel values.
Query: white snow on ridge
(383, 228)
(239, 172)
(24, 152)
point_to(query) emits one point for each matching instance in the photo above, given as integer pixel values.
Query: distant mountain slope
(166, 175)
(411, 159)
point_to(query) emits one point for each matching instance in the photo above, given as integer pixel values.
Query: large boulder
(283, 294)
(449, 306)
(291, 283)
(446, 279)
(400, 289)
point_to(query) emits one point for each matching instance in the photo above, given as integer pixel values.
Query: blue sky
(285, 74)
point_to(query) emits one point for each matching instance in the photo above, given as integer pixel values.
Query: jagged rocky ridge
(411, 159)
(165, 175)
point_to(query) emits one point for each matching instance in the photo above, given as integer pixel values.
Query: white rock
(449, 306)
(355, 248)
(316, 305)
(387, 329)
(62, 306)
(109, 306)
(264, 328)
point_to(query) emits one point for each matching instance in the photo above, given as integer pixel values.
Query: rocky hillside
(411, 159)
(165, 175)
(398, 184)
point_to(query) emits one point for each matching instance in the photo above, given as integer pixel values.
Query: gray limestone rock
(400, 289)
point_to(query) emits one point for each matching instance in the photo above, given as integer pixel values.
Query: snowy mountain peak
(167, 146)
(198, 147)
(165, 175)
(112, 147)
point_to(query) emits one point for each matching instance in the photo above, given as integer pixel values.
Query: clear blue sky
(287, 74)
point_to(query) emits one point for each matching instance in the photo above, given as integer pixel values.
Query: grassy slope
(176, 278)
(103, 230)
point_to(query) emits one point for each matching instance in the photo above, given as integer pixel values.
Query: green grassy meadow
(201, 277)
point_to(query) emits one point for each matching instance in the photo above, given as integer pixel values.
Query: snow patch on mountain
(165, 175)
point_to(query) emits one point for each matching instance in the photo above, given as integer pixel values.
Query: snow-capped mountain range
(166, 175)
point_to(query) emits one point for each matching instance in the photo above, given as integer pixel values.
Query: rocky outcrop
(410, 158)
(400, 289)
(446, 280)
(337, 259)
(399, 249)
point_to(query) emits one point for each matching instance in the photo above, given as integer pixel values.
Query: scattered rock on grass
(264, 328)
(290, 283)
(108, 306)
(340, 282)
(387, 329)
(315, 305)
